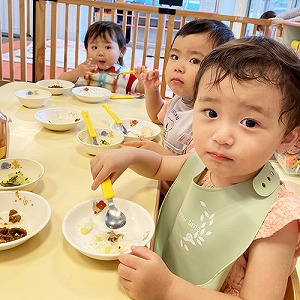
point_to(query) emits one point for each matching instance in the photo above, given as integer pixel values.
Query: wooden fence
(58, 27)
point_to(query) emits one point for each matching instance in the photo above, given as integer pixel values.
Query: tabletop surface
(46, 266)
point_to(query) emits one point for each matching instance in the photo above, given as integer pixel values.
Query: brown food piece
(14, 217)
(11, 234)
(113, 237)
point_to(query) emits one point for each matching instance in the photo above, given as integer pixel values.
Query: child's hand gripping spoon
(114, 218)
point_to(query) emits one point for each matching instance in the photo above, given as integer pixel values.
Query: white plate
(30, 169)
(143, 128)
(65, 86)
(138, 229)
(91, 94)
(34, 210)
(59, 119)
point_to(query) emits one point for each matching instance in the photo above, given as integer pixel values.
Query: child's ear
(289, 140)
(123, 50)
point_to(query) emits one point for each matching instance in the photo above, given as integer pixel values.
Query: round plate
(55, 86)
(31, 169)
(138, 229)
(91, 94)
(137, 128)
(34, 210)
(59, 119)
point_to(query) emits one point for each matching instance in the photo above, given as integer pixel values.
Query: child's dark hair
(218, 33)
(102, 29)
(264, 60)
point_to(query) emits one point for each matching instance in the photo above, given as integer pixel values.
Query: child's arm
(83, 69)
(145, 276)
(144, 162)
(154, 102)
(149, 145)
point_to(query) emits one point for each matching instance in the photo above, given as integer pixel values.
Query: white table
(46, 266)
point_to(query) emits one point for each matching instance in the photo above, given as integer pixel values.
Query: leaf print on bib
(201, 230)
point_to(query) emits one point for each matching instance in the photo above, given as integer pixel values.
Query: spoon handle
(107, 189)
(112, 114)
(88, 123)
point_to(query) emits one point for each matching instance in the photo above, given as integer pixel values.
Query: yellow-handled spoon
(118, 120)
(90, 127)
(114, 218)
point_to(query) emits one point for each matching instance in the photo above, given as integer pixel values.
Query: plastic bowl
(91, 94)
(138, 128)
(138, 229)
(33, 98)
(107, 139)
(55, 86)
(59, 119)
(34, 210)
(30, 169)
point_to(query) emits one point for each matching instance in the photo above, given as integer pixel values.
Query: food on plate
(30, 93)
(146, 131)
(8, 233)
(55, 85)
(133, 122)
(15, 179)
(102, 241)
(14, 216)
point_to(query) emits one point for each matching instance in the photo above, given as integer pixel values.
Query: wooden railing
(64, 21)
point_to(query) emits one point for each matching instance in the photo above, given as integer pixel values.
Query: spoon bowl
(114, 218)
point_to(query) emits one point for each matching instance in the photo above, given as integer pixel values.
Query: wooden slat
(53, 39)
(77, 35)
(66, 38)
(135, 33)
(40, 33)
(159, 38)
(23, 39)
(168, 43)
(1, 61)
(11, 41)
(146, 37)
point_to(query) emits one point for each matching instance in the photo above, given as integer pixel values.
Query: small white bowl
(91, 94)
(106, 138)
(59, 119)
(33, 98)
(55, 86)
(34, 210)
(138, 128)
(138, 230)
(31, 169)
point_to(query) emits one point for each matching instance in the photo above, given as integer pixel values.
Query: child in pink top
(191, 43)
(247, 106)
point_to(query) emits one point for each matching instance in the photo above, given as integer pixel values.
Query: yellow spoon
(114, 218)
(90, 127)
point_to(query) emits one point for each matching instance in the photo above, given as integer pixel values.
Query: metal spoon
(114, 218)
(118, 120)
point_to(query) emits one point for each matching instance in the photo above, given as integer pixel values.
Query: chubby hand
(110, 163)
(86, 68)
(144, 275)
(151, 80)
(146, 144)
(139, 70)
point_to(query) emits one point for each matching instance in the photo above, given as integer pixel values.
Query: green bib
(202, 231)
